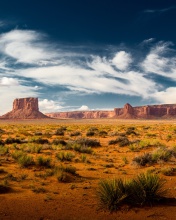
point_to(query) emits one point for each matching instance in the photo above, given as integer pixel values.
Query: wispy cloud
(5, 81)
(160, 10)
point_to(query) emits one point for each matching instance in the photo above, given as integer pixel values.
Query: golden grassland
(52, 169)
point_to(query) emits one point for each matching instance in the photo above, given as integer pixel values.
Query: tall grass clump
(44, 162)
(145, 189)
(111, 193)
(65, 156)
(25, 160)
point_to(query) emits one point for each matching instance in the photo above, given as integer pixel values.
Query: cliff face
(24, 108)
(127, 112)
(146, 112)
(82, 114)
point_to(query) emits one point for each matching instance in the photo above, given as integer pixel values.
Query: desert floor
(41, 187)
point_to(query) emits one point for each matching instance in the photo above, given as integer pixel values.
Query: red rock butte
(24, 108)
(165, 111)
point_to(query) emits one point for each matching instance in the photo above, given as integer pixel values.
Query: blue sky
(85, 54)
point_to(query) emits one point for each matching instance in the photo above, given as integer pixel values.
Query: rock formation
(165, 111)
(82, 114)
(146, 112)
(24, 108)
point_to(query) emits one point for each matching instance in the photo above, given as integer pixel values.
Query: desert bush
(40, 141)
(168, 171)
(4, 150)
(59, 142)
(4, 187)
(83, 158)
(145, 189)
(111, 193)
(122, 141)
(87, 142)
(90, 133)
(102, 133)
(36, 149)
(94, 129)
(11, 140)
(25, 160)
(44, 162)
(65, 173)
(1, 142)
(161, 154)
(60, 131)
(75, 133)
(131, 130)
(17, 154)
(144, 159)
(64, 177)
(82, 149)
(64, 156)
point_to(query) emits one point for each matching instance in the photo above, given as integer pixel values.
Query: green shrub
(144, 189)
(59, 142)
(75, 133)
(36, 149)
(40, 141)
(12, 140)
(102, 133)
(60, 131)
(111, 193)
(144, 159)
(90, 133)
(26, 160)
(82, 149)
(86, 142)
(44, 162)
(4, 150)
(64, 156)
(122, 141)
(17, 154)
(161, 154)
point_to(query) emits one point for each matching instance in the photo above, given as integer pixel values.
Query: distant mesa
(165, 111)
(24, 108)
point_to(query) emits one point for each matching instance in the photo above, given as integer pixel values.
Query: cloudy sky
(87, 54)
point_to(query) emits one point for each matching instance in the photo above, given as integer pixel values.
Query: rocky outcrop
(82, 114)
(24, 108)
(146, 112)
(127, 112)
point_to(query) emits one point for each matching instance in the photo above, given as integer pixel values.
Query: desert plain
(51, 168)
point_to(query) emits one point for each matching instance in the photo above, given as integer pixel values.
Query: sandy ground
(77, 199)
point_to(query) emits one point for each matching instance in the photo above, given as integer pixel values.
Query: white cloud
(84, 108)
(167, 96)
(26, 46)
(46, 105)
(5, 81)
(122, 60)
(158, 62)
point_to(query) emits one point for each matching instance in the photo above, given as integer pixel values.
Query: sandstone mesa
(24, 108)
(27, 108)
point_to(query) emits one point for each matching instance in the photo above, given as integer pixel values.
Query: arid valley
(52, 169)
